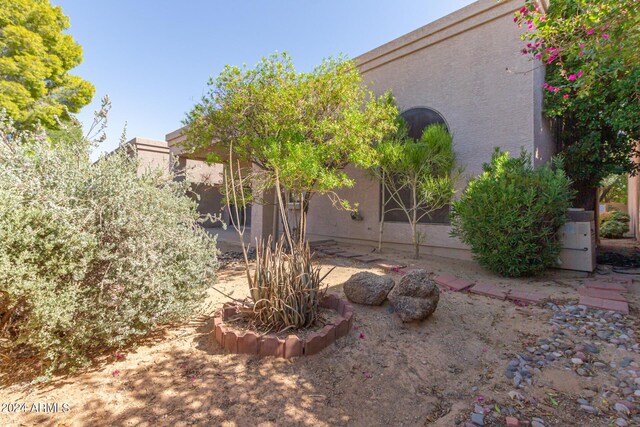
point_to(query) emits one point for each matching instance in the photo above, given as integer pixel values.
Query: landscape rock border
(263, 345)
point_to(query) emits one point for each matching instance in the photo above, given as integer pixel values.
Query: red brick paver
(459, 285)
(529, 297)
(453, 283)
(605, 304)
(445, 279)
(367, 258)
(601, 293)
(488, 291)
(608, 286)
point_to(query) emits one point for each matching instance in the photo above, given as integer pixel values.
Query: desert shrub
(285, 286)
(91, 255)
(509, 215)
(613, 229)
(614, 215)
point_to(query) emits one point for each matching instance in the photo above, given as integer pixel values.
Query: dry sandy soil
(394, 374)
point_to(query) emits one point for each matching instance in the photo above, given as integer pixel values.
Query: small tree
(424, 168)
(298, 131)
(35, 58)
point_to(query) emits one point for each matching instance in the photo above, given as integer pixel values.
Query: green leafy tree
(591, 50)
(35, 58)
(299, 129)
(424, 168)
(614, 189)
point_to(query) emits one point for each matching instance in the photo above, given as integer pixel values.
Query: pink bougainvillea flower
(193, 378)
(590, 31)
(119, 356)
(571, 77)
(115, 373)
(546, 85)
(480, 398)
(551, 88)
(580, 73)
(605, 36)
(556, 90)
(581, 53)
(525, 51)
(582, 46)
(542, 18)
(566, 96)
(515, 19)
(361, 335)
(539, 56)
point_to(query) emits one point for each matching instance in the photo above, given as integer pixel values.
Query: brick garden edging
(249, 342)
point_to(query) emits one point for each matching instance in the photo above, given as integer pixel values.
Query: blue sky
(154, 58)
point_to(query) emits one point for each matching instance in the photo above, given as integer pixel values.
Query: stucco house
(465, 70)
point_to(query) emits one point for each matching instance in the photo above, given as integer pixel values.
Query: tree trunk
(587, 199)
(414, 222)
(382, 215)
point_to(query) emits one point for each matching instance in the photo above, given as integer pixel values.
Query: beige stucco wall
(468, 67)
(151, 154)
(633, 205)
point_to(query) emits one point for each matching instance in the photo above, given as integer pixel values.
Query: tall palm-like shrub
(425, 168)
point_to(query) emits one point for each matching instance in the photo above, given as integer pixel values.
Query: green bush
(510, 214)
(615, 215)
(613, 229)
(91, 255)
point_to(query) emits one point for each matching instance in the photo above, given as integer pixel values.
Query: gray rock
(368, 288)
(415, 297)
(621, 422)
(589, 409)
(477, 419)
(590, 348)
(621, 409)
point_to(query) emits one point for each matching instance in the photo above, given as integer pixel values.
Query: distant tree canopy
(35, 58)
(591, 50)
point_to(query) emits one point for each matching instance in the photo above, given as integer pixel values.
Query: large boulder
(415, 297)
(368, 288)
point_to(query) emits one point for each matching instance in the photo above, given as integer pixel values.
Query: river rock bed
(580, 337)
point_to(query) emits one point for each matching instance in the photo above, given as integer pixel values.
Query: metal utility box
(578, 241)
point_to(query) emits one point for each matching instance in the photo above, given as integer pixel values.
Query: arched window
(417, 119)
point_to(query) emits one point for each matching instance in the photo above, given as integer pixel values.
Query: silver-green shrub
(91, 255)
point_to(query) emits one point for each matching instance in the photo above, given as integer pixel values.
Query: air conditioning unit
(578, 241)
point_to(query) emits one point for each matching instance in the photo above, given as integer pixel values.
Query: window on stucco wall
(417, 120)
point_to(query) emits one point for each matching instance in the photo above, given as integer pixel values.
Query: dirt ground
(394, 374)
